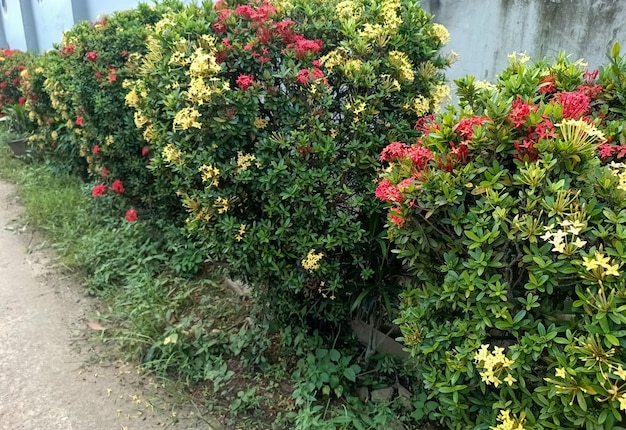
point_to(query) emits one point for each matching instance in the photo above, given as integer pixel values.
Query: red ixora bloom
(21, 100)
(218, 27)
(303, 46)
(98, 190)
(91, 56)
(112, 78)
(244, 81)
(395, 215)
(96, 149)
(393, 151)
(131, 215)
(98, 75)
(68, 50)
(465, 127)
(80, 120)
(388, 192)
(145, 151)
(575, 104)
(419, 155)
(547, 85)
(104, 172)
(117, 186)
(520, 111)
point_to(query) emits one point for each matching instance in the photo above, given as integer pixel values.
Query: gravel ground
(52, 372)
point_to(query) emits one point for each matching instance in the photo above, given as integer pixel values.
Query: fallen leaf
(94, 325)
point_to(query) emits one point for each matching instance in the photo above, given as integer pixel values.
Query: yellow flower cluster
(484, 85)
(221, 204)
(171, 154)
(518, 59)
(132, 99)
(507, 422)
(312, 261)
(493, 364)
(240, 233)
(619, 170)
(440, 95)
(559, 239)
(109, 140)
(580, 133)
(347, 10)
(187, 118)
(389, 15)
(210, 174)
(427, 70)
(140, 119)
(203, 64)
(244, 161)
(351, 67)
(420, 105)
(334, 58)
(356, 107)
(601, 265)
(400, 61)
(199, 92)
(260, 123)
(441, 33)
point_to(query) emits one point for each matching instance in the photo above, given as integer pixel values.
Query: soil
(54, 372)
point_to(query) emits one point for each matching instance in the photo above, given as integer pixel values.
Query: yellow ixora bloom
(441, 33)
(518, 59)
(508, 422)
(312, 260)
(187, 118)
(240, 233)
(210, 174)
(221, 204)
(622, 402)
(171, 154)
(493, 364)
(244, 161)
(420, 105)
(402, 64)
(260, 123)
(601, 265)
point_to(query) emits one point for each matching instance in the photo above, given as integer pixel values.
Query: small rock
(404, 397)
(364, 394)
(382, 395)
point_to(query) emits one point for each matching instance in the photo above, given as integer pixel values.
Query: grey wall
(484, 32)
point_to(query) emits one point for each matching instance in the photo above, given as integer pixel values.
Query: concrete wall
(51, 19)
(13, 24)
(484, 32)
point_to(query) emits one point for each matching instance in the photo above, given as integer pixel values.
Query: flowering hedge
(12, 64)
(266, 119)
(510, 213)
(83, 80)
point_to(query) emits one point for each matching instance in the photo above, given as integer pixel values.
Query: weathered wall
(35, 25)
(484, 32)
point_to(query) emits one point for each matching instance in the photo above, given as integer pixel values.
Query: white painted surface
(13, 24)
(484, 32)
(51, 18)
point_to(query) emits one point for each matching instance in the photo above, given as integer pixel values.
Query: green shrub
(512, 223)
(84, 82)
(267, 120)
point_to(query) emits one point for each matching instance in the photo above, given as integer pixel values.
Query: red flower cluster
(131, 215)
(117, 186)
(80, 120)
(388, 192)
(393, 151)
(548, 85)
(67, 50)
(98, 190)
(245, 81)
(520, 111)
(575, 104)
(91, 56)
(305, 75)
(465, 127)
(96, 149)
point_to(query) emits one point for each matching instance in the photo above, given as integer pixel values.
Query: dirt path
(46, 383)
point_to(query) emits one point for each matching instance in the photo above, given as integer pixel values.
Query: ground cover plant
(512, 224)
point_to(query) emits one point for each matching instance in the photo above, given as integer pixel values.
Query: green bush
(512, 222)
(266, 119)
(84, 81)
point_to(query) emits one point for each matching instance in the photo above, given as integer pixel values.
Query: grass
(175, 319)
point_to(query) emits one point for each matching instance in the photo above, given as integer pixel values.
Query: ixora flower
(244, 81)
(117, 186)
(131, 215)
(80, 120)
(91, 56)
(96, 149)
(98, 190)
